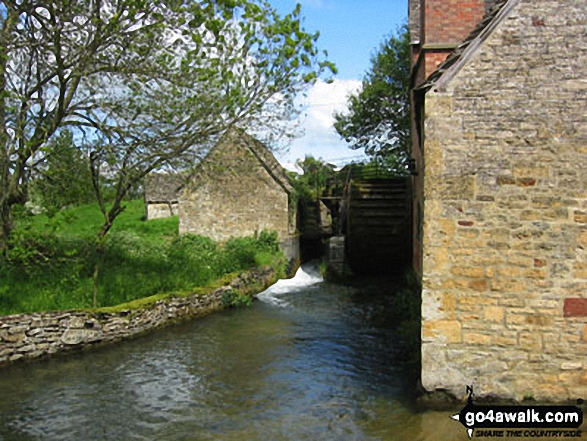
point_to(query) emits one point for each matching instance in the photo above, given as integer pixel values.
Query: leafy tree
(316, 175)
(378, 119)
(65, 178)
(309, 187)
(145, 83)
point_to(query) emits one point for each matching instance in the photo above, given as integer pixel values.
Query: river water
(309, 361)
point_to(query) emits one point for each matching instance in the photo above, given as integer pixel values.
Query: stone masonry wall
(160, 211)
(30, 336)
(233, 195)
(505, 212)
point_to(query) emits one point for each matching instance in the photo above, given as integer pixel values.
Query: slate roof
(163, 187)
(463, 51)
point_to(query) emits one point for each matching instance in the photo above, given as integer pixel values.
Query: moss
(249, 290)
(150, 301)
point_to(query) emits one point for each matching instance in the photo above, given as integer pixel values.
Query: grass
(86, 220)
(51, 260)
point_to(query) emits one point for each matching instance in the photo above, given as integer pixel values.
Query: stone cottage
(500, 209)
(239, 189)
(162, 194)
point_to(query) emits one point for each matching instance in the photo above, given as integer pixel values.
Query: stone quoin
(500, 205)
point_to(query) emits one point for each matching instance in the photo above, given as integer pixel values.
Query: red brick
(450, 21)
(575, 307)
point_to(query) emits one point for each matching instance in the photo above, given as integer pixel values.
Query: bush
(194, 260)
(247, 252)
(232, 298)
(130, 268)
(268, 241)
(49, 271)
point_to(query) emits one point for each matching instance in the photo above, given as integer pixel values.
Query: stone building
(500, 142)
(239, 189)
(162, 194)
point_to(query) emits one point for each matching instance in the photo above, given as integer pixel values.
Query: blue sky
(350, 30)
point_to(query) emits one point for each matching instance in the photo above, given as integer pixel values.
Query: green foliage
(310, 185)
(315, 177)
(248, 252)
(324, 268)
(142, 85)
(232, 298)
(65, 178)
(268, 241)
(85, 220)
(51, 260)
(379, 114)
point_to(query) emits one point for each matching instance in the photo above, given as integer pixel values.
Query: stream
(309, 361)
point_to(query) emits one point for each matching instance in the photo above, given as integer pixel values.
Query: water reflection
(322, 368)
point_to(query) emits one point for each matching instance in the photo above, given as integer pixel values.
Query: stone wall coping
(41, 334)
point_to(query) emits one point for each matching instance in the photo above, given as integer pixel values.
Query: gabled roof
(163, 187)
(467, 48)
(259, 150)
(266, 158)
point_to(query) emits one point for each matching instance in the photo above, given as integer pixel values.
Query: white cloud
(320, 139)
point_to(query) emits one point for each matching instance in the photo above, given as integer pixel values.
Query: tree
(143, 84)
(65, 179)
(317, 174)
(378, 117)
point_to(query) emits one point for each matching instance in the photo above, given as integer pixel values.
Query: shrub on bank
(52, 270)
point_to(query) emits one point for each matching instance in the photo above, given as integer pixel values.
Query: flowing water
(309, 361)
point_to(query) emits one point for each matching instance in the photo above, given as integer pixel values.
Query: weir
(307, 275)
(320, 364)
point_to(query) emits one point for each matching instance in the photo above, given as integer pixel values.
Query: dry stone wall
(505, 212)
(30, 336)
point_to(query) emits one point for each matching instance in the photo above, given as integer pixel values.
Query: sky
(351, 31)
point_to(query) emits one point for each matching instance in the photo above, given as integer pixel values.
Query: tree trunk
(100, 253)
(5, 228)
(99, 257)
(96, 274)
(7, 27)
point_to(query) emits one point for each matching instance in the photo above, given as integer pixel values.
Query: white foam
(307, 275)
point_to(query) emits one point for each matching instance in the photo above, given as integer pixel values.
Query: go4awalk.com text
(534, 433)
(520, 421)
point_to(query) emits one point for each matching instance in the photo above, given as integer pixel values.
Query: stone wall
(30, 336)
(161, 210)
(505, 212)
(234, 194)
(162, 194)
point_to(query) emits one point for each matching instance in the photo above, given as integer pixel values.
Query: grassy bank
(51, 260)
